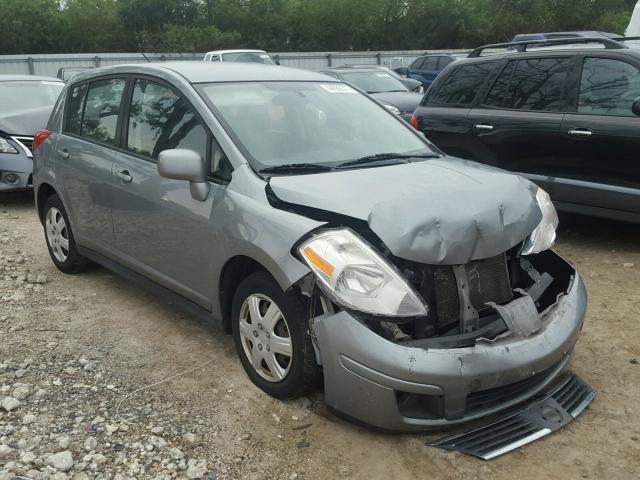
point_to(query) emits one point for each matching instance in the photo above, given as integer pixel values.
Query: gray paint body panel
(442, 211)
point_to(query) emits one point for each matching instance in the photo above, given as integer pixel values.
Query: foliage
(46, 26)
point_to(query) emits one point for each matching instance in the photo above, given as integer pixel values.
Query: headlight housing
(354, 275)
(391, 108)
(6, 147)
(544, 235)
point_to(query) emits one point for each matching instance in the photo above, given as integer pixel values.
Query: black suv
(564, 116)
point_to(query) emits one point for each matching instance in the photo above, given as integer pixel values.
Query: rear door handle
(580, 132)
(124, 176)
(483, 128)
(63, 153)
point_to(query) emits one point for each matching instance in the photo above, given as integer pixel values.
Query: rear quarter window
(75, 108)
(101, 110)
(462, 85)
(608, 87)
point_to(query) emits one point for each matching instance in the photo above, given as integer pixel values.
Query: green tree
(30, 27)
(93, 26)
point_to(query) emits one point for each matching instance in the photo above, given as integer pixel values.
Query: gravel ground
(74, 350)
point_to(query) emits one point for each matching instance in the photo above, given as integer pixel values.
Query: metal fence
(50, 64)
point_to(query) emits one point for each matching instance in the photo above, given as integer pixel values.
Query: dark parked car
(425, 69)
(382, 86)
(26, 102)
(411, 83)
(566, 119)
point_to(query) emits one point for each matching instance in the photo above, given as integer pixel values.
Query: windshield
(16, 96)
(374, 82)
(284, 123)
(249, 57)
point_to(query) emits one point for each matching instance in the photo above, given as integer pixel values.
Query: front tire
(59, 237)
(271, 333)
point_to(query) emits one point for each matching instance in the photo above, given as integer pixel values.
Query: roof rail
(522, 46)
(624, 39)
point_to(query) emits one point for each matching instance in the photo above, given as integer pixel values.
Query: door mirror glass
(184, 164)
(635, 106)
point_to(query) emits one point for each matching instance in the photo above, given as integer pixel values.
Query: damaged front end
(497, 332)
(499, 297)
(433, 310)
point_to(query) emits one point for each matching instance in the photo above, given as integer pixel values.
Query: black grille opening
(486, 399)
(27, 142)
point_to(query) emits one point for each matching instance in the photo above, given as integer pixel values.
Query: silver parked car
(330, 238)
(26, 102)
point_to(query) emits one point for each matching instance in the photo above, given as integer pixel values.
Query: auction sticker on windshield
(337, 88)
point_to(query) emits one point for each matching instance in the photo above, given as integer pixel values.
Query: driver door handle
(124, 176)
(483, 128)
(580, 132)
(63, 153)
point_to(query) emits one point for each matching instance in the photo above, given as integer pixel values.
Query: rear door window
(498, 93)
(530, 84)
(159, 120)
(462, 85)
(101, 111)
(608, 87)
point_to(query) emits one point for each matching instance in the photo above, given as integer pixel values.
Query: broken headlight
(357, 277)
(6, 147)
(544, 235)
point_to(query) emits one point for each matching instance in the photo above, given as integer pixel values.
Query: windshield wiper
(297, 168)
(380, 157)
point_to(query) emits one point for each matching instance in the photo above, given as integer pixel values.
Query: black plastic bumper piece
(558, 407)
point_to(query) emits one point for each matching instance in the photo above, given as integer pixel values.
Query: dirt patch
(71, 347)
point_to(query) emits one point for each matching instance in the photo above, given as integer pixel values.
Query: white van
(246, 56)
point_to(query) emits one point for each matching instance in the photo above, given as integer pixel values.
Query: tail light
(41, 136)
(414, 121)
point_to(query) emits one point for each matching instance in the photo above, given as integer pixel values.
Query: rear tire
(59, 237)
(271, 332)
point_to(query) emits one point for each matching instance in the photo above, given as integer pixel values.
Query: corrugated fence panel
(51, 63)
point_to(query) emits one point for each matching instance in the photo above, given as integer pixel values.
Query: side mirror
(183, 164)
(635, 106)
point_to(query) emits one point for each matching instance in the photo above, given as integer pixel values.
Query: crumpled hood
(25, 122)
(406, 102)
(440, 211)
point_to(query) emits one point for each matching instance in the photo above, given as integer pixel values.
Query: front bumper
(18, 165)
(394, 387)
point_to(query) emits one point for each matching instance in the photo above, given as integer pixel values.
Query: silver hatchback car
(330, 238)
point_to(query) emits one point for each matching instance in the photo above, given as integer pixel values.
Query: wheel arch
(234, 271)
(45, 190)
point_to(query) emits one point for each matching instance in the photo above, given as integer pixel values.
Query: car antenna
(145, 57)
